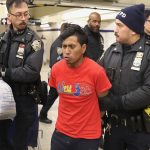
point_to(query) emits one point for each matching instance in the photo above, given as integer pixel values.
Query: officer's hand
(5, 72)
(2, 71)
(110, 102)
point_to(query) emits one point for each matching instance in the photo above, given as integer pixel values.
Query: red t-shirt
(78, 111)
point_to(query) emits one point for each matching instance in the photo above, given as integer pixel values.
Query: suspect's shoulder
(94, 64)
(59, 64)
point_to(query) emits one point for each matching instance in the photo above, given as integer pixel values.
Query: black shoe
(45, 120)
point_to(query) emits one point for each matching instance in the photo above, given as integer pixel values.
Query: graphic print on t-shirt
(76, 89)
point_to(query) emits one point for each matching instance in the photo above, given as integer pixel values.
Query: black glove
(111, 102)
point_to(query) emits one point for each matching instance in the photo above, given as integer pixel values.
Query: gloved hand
(4, 72)
(110, 102)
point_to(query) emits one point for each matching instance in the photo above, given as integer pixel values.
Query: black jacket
(21, 53)
(95, 44)
(129, 72)
(54, 56)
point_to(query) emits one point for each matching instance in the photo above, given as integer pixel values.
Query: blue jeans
(61, 141)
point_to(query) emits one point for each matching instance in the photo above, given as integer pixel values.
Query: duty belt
(135, 123)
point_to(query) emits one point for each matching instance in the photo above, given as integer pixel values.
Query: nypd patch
(59, 50)
(36, 45)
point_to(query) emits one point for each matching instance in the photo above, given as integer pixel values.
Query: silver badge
(36, 45)
(137, 61)
(20, 52)
(59, 52)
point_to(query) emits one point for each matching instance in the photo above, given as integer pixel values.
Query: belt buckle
(115, 120)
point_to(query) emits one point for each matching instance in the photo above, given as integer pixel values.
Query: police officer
(21, 56)
(95, 39)
(147, 24)
(127, 63)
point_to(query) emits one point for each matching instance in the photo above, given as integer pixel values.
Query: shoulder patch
(1, 35)
(36, 45)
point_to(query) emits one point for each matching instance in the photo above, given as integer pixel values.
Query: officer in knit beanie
(133, 17)
(127, 64)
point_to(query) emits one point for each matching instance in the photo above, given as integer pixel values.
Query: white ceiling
(52, 7)
(62, 9)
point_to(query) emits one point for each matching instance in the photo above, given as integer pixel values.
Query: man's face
(73, 51)
(94, 23)
(147, 26)
(18, 16)
(122, 32)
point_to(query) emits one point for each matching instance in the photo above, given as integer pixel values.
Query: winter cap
(133, 17)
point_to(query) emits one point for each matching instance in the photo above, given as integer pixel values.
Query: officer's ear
(8, 16)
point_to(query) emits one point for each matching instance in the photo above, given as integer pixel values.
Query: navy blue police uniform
(127, 64)
(128, 68)
(21, 56)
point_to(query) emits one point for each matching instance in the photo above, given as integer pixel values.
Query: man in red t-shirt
(78, 81)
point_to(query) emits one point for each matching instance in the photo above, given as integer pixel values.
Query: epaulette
(147, 41)
(113, 44)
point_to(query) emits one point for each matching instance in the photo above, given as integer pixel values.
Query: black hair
(9, 3)
(146, 13)
(76, 30)
(64, 26)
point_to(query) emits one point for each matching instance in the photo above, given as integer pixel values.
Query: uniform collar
(136, 47)
(15, 35)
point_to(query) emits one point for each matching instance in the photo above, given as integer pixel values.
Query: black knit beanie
(133, 17)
